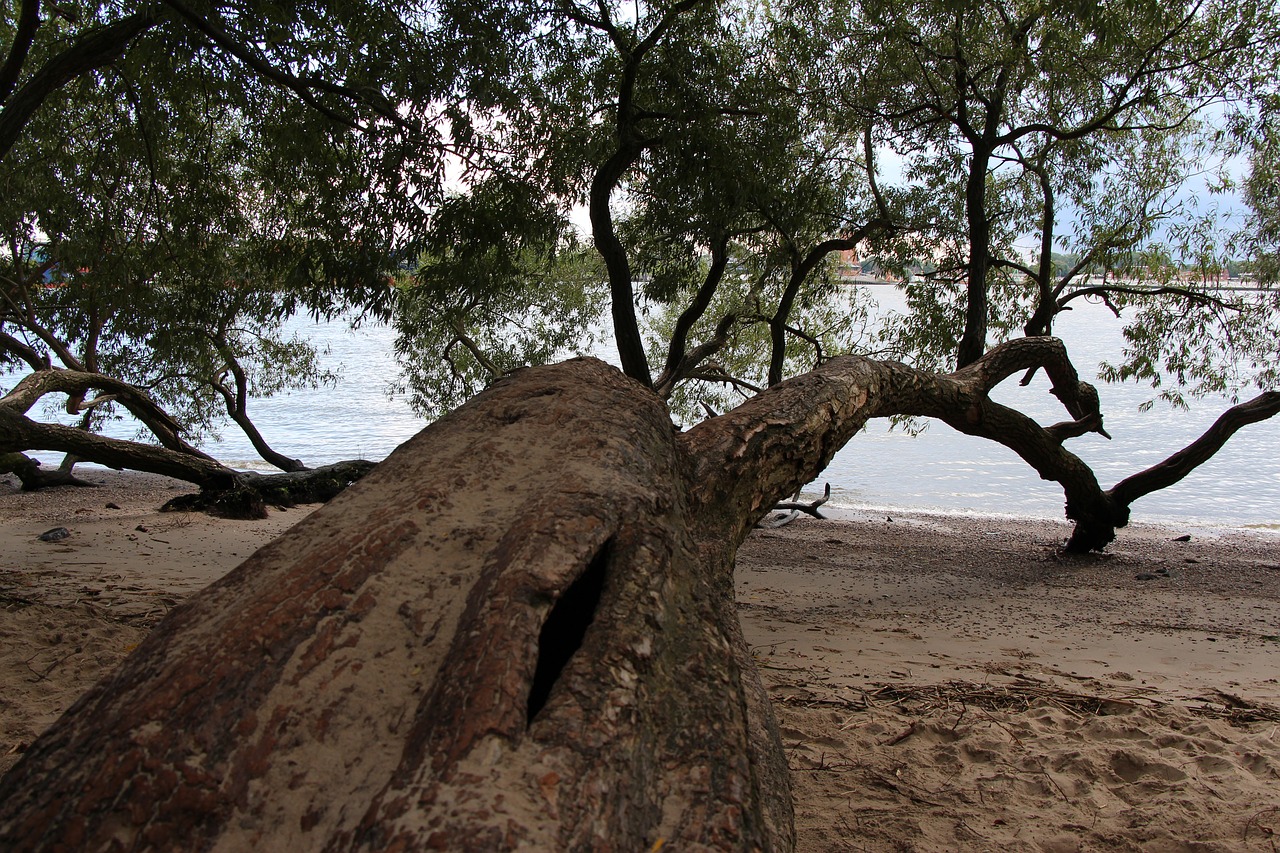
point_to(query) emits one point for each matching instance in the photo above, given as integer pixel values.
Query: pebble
(57, 534)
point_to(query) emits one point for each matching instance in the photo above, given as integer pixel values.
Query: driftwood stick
(792, 510)
(810, 508)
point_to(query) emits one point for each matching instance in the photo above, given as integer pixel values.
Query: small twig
(41, 676)
(1255, 819)
(1054, 783)
(900, 736)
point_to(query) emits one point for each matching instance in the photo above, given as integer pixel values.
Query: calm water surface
(940, 470)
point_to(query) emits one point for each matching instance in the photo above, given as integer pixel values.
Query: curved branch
(630, 145)
(1180, 464)
(1080, 399)
(89, 51)
(626, 328)
(676, 362)
(23, 36)
(76, 383)
(19, 433)
(691, 361)
(874, 184)
(764, 450)
(237, 412)
(716, 373)
(1105, 291)
(35, 477)
(802, 268)
(237, 404)
(24, 351)
(29, 322)
(304, 88)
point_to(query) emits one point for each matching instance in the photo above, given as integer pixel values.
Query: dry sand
(957, 684)
(942, 683)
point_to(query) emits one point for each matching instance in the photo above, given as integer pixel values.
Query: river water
(880, 470)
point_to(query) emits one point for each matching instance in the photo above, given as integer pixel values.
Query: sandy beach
(942, 682)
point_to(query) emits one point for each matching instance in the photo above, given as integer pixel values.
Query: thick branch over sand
(224, 490)
(518, 631)
(402, 668)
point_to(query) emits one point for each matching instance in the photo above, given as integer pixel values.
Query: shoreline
(840, 507)
(946, 683)
(941, 681)
(869, 512)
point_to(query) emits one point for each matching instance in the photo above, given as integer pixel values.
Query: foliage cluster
(171, 198)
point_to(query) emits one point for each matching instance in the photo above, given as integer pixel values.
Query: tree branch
(24, 351)
(23, 36)
(303, 87)
(19, 433)
(76, 383)
(692, 313)
(89, 51)
(1180, 464)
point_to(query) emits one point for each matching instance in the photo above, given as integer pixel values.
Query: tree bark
(512, 634)
(518, 632)
(973, 343)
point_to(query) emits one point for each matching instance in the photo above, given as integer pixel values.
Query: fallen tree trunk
(511, 634)
(517, 632)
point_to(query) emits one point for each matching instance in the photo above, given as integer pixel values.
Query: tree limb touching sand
(519, 631)
(223, 490)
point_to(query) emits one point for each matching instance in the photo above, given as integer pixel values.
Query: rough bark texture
(508, 635)
(517, 632)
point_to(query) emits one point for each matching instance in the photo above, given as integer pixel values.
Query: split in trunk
(517, 632)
